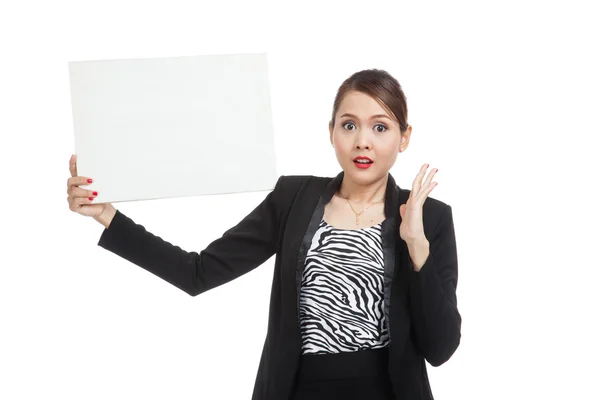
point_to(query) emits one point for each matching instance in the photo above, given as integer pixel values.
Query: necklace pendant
(357, 221)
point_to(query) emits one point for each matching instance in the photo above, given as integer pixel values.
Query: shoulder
(290, 188)
(291, 180)
(294, 183)
(430, 202)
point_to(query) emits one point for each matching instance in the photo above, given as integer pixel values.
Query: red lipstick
(363, 162)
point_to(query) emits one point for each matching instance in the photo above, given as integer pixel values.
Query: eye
(384, 127)
(352, 123)
(344, 124)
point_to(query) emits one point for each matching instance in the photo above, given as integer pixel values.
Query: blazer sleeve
(436, 319)
(239, 250)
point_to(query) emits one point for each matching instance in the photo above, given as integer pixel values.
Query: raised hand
(411, 227)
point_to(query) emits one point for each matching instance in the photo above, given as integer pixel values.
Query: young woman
(365, 272)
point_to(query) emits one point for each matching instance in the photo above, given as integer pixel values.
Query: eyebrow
(372, 117)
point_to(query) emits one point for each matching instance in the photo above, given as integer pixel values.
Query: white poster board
(173, 127)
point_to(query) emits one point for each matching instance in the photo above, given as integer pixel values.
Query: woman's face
(364, 128)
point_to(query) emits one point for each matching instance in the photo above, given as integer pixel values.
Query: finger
(430, 176)
(428, 185)
(76, 202)
(416, 186)
(76, 191)
(73, 165)
(77, 180)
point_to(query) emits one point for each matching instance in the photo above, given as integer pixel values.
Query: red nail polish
(89, 180)
(95, 193)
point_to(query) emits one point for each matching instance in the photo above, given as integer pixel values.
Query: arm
(432, 287)
(238, 251)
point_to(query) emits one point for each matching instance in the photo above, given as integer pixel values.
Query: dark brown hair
(380, 85)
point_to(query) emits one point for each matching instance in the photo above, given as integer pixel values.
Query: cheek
(342, 144)
(389, 147)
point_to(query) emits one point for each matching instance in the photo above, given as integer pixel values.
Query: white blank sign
(173, 127)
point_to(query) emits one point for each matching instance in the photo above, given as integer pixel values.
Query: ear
(331, 132)
(405, 139)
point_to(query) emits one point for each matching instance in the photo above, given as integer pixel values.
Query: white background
(503, 99)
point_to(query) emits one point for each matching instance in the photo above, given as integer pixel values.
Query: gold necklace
(354, 211)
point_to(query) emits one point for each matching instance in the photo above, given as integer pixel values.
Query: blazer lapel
(390, 240)
(313, 224)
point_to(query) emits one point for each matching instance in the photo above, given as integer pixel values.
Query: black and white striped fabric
(341, 297)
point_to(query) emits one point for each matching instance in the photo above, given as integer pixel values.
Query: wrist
(107, 215)
(420, 241)
(418, 252)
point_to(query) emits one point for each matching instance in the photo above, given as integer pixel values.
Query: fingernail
(89, 180)
(95, 193)
(91, 198)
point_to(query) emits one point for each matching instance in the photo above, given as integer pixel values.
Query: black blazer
(420, 307)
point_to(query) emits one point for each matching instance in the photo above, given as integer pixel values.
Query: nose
(363, 140)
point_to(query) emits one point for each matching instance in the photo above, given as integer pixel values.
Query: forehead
(362, 105)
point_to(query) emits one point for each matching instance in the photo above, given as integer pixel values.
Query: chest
(340, 214)
(307, 210)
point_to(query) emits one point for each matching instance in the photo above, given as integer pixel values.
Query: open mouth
(363, 159)
(363, 162)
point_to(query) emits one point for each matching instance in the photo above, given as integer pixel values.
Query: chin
(367, 176)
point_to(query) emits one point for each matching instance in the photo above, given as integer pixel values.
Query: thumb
(402, 210)
(73, 165)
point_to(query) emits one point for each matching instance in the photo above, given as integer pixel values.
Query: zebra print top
(341, 296)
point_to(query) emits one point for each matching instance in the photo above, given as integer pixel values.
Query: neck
(361, 193)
